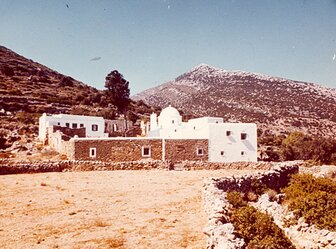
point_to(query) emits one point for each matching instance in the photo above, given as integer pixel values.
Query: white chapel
(228, 142)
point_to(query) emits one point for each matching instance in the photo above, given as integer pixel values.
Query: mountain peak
(273, 103)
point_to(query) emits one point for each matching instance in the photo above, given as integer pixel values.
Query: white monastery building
(227, 142)
(166, 138)
(94, 126)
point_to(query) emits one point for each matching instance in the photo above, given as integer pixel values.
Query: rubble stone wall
(117, 150)
(186, 149)
(10, 166)
(219, 230)
(61, 145)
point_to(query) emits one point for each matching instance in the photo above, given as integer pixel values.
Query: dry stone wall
(219, 230)
(10, 166)
(301, 234)
(221, 233)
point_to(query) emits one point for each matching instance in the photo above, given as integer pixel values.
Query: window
(222, 153)
(81, 125)
(58, 123)
(93, 153)
(146, 151)
(194, 127)
(242, 153)
(67, 125)
(172, 121)
(74, 125)
(228, 133)
(94, 127)
(216, 122)
(243, 136)
(199, 152)
(115, 127)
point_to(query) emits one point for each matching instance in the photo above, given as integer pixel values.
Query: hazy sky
(153, 41)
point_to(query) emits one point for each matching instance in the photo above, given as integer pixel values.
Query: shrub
(235, 199)
(298, 146)
(251, 196)
(3, 140)
(314, 199)
(8, 71)
(272, 194)
(258, 229)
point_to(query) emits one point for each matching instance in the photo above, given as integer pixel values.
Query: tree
(117, 90)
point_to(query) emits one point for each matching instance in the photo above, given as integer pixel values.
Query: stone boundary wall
(219, 230)
(10, 166)
(302, 235)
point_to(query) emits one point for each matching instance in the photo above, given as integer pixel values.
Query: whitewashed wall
(62, 119)
(232, 146)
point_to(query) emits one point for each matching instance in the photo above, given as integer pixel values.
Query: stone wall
(70, 132)
(60, 144)
(186, 149)
(219, 230)
(117, 150)
(301, 234)
(11, 166)
(120, 150)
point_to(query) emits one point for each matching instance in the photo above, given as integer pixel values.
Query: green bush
(258, 229)
(235, 199)
(298, 146)
(314, 199)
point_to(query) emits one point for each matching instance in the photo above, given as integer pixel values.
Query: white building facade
(94, 126)
(228, 142)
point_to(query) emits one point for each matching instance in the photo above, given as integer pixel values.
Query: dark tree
(117, 90)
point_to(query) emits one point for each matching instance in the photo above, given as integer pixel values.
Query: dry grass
(115, 209)
(43, 184)
(272, 194)
(100, 223)
(251, 196)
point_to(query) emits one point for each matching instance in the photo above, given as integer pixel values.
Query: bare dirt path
(106, 209)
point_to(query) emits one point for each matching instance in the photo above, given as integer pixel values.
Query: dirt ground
(106, 209)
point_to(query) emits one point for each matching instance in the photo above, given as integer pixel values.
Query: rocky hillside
(275, 104)
(29, 86)
(28, 89)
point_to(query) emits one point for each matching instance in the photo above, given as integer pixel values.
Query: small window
(242, 153)
(243, 136)
(81, 125)
(94, 127)
(67, 124)
(228, 133)
(58, 123)
(146, 151)
(173, 121)
(175, 130)
(115, 128)
(200, 152)
(93, 153)
(216, 122)
(74, 125)
(194, 127)
(222, 153)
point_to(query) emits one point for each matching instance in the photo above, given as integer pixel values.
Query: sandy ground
(106, 209)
